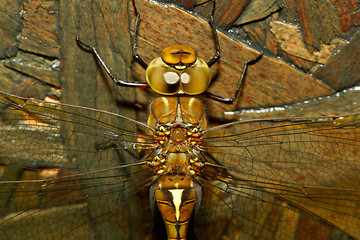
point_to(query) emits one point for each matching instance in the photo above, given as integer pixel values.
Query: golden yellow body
(178, 120)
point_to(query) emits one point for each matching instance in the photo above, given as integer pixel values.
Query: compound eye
(196, 78)
(178, 70)
(162, 78)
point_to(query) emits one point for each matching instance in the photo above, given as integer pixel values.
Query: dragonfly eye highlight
(171, 77)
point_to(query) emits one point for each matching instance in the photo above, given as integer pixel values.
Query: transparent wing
(71, 173)
(75, 173)
(284, 179)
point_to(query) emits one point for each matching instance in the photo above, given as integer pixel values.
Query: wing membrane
(70, 172)
(292, 171)
(72, 167)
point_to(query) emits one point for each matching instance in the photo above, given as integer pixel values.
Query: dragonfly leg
(118, 82)
(231, 100)
(134, 53)
(216, 57)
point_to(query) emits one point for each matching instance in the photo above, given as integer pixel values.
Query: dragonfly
(67, 173)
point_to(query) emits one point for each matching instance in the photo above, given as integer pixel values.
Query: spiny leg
(231, 100)
(118, 82)
(216, 57)
(134, 53)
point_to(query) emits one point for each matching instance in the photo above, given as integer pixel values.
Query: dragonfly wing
(70, 172)
(286, 178)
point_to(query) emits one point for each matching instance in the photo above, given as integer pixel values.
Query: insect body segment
(175, 197)
(176, 160)
(178, 70)
(178, 137)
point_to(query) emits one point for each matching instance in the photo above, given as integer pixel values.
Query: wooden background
(311, 50)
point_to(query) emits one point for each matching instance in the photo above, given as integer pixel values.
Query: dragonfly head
(178, 70)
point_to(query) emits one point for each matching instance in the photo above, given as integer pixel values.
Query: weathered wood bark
(311, 51)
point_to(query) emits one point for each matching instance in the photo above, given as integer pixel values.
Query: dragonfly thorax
(169, 112)
(178, 122)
